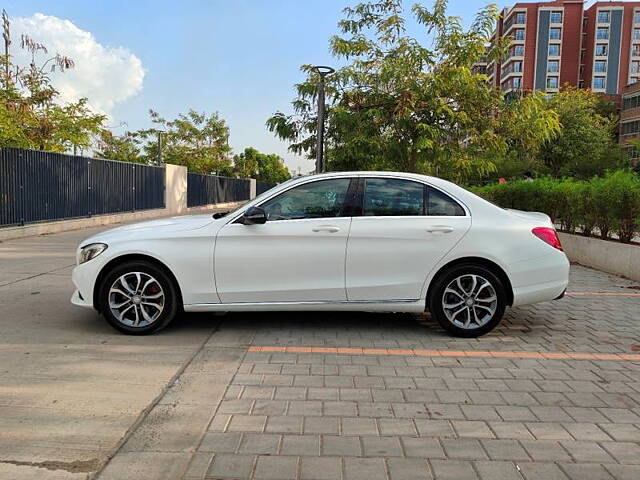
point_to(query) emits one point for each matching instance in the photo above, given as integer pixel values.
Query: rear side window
(391, 197)
(440, 204)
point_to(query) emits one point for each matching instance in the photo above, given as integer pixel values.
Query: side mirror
(254, 216)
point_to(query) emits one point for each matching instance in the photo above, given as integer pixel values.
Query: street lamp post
(323, 71)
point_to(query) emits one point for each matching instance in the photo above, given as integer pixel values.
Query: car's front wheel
(468, 300)
(138, 298)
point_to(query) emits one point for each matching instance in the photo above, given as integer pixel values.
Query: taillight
(548, 235)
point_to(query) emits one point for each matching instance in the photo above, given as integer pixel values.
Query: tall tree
(586, 144)
(261, 166)
(398, 104)
(32, 115)
(193, 139)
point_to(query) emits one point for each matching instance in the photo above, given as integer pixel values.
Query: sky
(238, 57)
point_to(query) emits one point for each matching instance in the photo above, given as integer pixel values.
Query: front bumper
(79, 301)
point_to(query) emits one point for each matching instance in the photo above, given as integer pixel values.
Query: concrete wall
(608, 256)
(175, 204)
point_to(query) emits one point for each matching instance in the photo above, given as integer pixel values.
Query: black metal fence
(36, 186)
(208, 189)
(262, 187)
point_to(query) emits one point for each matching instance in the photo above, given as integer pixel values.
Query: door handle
(440, 229)
(326, 228)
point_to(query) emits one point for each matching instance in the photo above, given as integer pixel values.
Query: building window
(555, 33)
(636, 16)
(556, 17)
(603, 16)
(635, 50)
(601, 50)
(517, 82)
(518, 34)
(635, 67)
(599, 83)
(553, 66)
(520, 17)
(554, 50)
(552, 82)
(633, 80)
(600, 66)
(636, 33)
(602, 33)
(518, 50)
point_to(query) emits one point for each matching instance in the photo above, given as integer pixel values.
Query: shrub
(610, 204)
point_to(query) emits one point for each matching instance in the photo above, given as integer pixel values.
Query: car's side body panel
(187, 245)
(280, 261)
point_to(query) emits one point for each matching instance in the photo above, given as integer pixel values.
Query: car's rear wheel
(468, 300)
(138, 298)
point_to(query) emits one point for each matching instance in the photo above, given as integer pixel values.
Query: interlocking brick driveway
(424, 405)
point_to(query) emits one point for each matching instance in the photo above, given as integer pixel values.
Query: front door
(298, 255)
(406, 227)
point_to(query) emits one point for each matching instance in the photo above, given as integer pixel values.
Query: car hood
(155, 228)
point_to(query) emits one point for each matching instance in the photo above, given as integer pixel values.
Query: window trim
(343, 209)
(363, 179)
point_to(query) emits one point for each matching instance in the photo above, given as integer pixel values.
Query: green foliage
(196, 140)
(610, 204)
(398, 104)
(32, 114)
(586, 143)
(261, 166)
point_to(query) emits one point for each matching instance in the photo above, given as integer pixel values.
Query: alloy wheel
(136, 299)
(469, 301)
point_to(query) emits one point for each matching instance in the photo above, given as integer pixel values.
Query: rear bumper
(541, 279)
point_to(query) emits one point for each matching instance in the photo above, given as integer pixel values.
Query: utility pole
(7, 41)
(323, 71)
(159, 159)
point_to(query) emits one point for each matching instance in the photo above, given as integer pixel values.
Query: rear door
(404, 229)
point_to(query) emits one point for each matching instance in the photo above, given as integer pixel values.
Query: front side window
(636, 33)
(598, 82)
(601, 50)
(553, 66)
(636, 17)
(603, 16)
(322, 199)
(556, 17)
(635, 67)
(554, 50)
(392, 197)
(520, 17)
(600, 66)
(517, 82)
(552, 82)
(635, 51)
(519, 34)
(555, 33)
(518, 50)
(602, 33)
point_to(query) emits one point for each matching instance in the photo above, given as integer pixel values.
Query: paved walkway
(554, 392)
(372, 396)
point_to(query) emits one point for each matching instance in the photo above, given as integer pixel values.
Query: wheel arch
(114, 262)
(494, 267)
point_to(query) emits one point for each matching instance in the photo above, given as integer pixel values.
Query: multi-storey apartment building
(560, 42)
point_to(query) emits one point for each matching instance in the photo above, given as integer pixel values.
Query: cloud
(104, 75)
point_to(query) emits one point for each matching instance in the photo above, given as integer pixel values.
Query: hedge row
(601, 206)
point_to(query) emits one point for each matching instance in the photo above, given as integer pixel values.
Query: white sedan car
(373, 241)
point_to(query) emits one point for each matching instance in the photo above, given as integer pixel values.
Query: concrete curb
(609, 256)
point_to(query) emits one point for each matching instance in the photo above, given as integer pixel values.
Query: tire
(468, 318)
(145, 291)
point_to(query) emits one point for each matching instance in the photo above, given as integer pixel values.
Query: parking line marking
(614, 294)
(451, 353)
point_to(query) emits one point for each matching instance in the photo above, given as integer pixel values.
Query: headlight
(90, 251)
